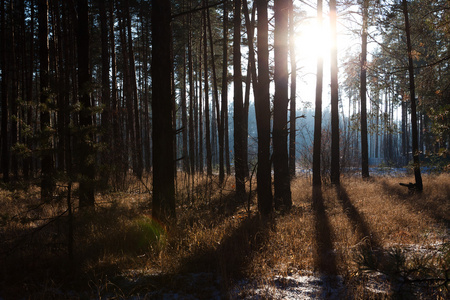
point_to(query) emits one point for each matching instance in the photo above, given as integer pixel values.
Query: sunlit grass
(214, 234)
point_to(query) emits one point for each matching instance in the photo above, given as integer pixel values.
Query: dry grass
(121, 251)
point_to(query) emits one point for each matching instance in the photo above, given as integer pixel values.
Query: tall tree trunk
(364, 142)
(86, 150)
(412, 91)
(282, 186)
(335, 167)
(163, 205)
(29, 66)
(191, 100)
(47, 182)
(262, 110)
(239, 160)
(116, 114)
(317, 180)
(106, 99)
(133, 93)
(14, 91)
(184, 122)
(251, 77)
(224, 109)
(216, 99)
(207, 121)
(292, 115)
(200, 112)
(4, 86)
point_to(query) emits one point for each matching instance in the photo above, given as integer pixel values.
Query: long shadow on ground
(209, 272)
(357, 220)
(324, 258)
(437, 209)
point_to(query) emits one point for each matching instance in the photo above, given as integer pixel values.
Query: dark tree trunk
(251, 77)
(134, 94)
(191, 101)
(364, 142)
(106, 99)
(262, 109)
(86, 151)
(217, 105)
(184, 122)
(282, 186)
(412, 90)
(47, 182)
(163, 206)
(224, 109)
(335, 167)
(14, 91)
(4, 86)
(239, 160)
(317, 180)
(292, 115)
(207, 120)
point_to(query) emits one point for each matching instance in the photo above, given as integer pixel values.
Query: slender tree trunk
(262, 110)
(216, 99)
(238, 105)
(133, 93)
(335, 167)
(224, 109)
(14, 91)
(106, 99)
(292, 115)
(191, 101)
(47, 182)
(364, 142)
(282, 186)
(251, 77)
(412, 90)
(163, 206)
(207, 121)
(4, 86)
(317, 180)
(184, 122)
(86, 151)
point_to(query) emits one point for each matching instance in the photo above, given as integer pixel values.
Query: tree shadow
(324, 258)
(220, 265)
(437, 209)
(357, 220)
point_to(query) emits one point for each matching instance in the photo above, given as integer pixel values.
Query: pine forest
(225, 149)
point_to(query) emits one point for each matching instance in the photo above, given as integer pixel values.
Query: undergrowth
(383, 241)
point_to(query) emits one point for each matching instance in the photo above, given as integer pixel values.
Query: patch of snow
(291, 287)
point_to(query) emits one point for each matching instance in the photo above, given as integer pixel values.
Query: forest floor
(363, 240)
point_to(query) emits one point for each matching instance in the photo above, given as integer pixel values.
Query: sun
(312, 40)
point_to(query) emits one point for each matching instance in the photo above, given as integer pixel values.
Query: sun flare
(312, 40)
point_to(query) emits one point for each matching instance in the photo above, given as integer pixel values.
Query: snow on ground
(291, 287)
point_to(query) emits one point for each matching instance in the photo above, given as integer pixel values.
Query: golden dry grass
(323, 234)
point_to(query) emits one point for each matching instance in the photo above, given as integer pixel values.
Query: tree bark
(262, 110)
(364, 142)
(317, 179)
(282, 186)
(412, 91)
(239, 160)
(47, 181)
(224, 109)
(335, 167)
(163, 205)
(4, 86)
(106, 99)
(292, 115)
(86, 151)
(207, 120)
